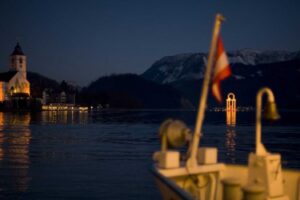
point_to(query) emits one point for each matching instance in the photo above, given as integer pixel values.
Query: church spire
(17, 50)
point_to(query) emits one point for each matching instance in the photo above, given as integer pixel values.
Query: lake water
(107, 155)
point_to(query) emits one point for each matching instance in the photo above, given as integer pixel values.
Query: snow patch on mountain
(191, 66)
(238, 77)
(259, 72)
(255, 57)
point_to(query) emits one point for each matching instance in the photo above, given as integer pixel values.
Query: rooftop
(6, 76)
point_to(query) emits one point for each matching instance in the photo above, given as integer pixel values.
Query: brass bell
(270, 111)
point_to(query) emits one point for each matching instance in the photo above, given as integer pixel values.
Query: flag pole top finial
(220, 17)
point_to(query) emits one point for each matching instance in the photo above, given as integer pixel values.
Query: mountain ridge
(132, 91)
(251, 70)
(191, 65)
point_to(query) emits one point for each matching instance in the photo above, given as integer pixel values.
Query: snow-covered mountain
(179, 67)
(256, 57)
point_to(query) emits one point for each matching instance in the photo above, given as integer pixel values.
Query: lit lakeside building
(14, 86)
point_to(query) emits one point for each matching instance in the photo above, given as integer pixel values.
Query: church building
(14, 83)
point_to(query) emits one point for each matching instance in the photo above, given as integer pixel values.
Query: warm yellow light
(2, 91)
(231, 118)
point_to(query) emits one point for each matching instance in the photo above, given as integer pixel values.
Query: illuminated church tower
(14, 83)
(18, 61)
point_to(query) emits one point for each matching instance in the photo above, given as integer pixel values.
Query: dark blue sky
(82, 40)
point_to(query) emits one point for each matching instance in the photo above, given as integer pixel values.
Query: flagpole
(193, 148)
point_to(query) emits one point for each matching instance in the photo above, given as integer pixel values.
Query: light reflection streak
(231, 135)
(230, 143)
(65, 117)
(15, 137)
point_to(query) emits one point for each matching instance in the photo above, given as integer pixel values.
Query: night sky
(82, 40)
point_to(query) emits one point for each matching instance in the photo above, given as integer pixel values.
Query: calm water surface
(107, 155)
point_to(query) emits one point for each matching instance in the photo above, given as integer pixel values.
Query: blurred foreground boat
(197, 174)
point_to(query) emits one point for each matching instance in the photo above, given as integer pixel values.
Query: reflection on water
(15, 137)
(231, 143)
(81, 155)
(65, 117)
(1, 143)
(231, 133)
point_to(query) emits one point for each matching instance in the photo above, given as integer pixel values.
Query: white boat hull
(172, 188)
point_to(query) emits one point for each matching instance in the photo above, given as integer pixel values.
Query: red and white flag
(221, 70)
